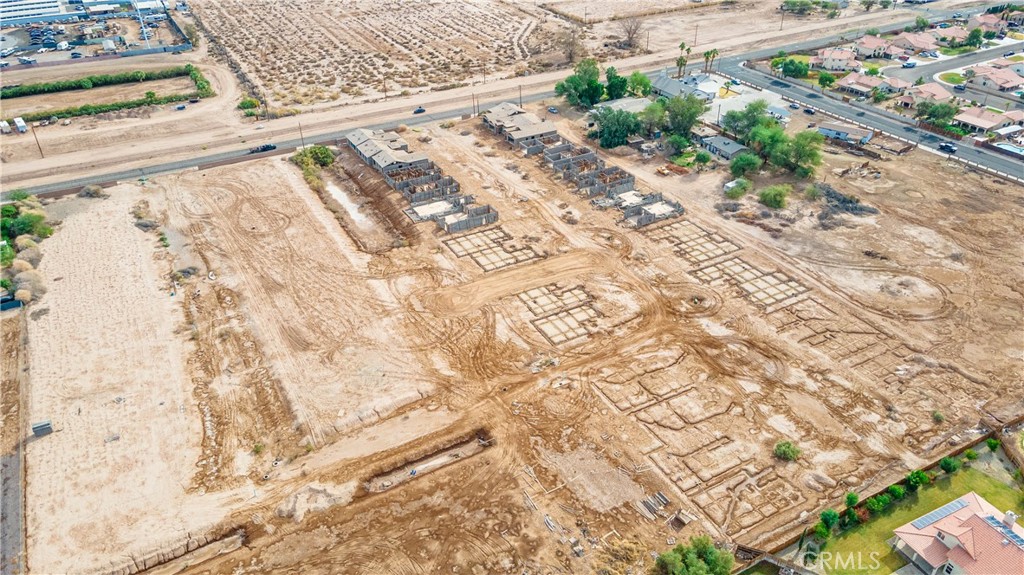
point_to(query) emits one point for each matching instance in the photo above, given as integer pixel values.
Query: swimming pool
(1015, 149)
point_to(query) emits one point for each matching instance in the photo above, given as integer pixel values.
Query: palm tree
(714, 54)
(684, 53)
(707, 59)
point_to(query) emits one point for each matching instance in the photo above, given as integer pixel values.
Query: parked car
(76, 55)
(910, 64)
(419, 110)
(903, 58)
(263, 148)
(960, 88)
(552, 110)
(1010, 53)
(948, 147)
(809, 111)
(794, 106)
(957, 15)
(4, 64)
(180, 107)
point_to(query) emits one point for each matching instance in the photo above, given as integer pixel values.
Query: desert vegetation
(23, 226)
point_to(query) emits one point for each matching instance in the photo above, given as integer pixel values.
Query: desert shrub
(24, 242)
(258, 448)
(19, 265)
(812, 193)
(937, 417)
(23, 295)
(775, 196)
(971, 454)
(31, 255)
(92, 191)
(702, 157)
(739, 190)
(949, 464)
(248, 104)
(993, 443)
(18, 195)
(30, 280)
(6, 255)
(897, 492)
(786, 451)
(9, 210)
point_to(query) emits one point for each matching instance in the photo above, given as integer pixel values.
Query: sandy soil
(103, 95)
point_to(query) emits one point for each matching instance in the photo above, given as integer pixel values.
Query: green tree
(916, 479)
(775, 196)
(616, 84)
(938, 114)
(702, 157)
(989, 35)
(582, 88)
(741, 122)
(868, 4)
(682, 113)
(768, 139)
(740, 166)
(878, 503)
(974, 38)
(993, 443)
(921, 23)
(797, 6)
(85, 83)
(653, 117)
(806, 152)
(897, 492)
(639, 84)
(615, 126)
(871, 32)
(830, 517)
(949, 464)
(822, 531)
(971, 454)
(698, 558)
(709, 58)
(852, 499)
(795, 69)
(884, 4)
(677, 143)
(873, 71)
(248, 104)
(784, 450)
(826, 80)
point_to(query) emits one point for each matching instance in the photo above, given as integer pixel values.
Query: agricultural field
(355, 393)
(367, 48)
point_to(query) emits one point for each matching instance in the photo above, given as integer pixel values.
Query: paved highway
(873, 117)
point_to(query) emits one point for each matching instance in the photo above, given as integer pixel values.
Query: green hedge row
(95, 82)
(203, 90)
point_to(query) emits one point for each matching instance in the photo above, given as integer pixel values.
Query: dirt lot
(135, 91)
(309, 368)
(367, 48)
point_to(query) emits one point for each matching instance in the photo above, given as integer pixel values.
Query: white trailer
(63, 46)
(5, 128)
(19, 125)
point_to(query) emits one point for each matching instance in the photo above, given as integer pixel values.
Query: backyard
(871, 537)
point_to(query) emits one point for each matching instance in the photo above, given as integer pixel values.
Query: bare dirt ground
(106, 94)
(594, 367)
(368, 48)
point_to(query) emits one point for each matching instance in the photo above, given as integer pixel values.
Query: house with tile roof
(1002, 79)
(1016, 66)
(915, 42)
(870, 47)
(863, 85)
(967, 536)
(982, 120)
(932, 92)
(835, 59)
(987, 23)
(953, 36)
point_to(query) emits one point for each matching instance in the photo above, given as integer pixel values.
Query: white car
(42, 50)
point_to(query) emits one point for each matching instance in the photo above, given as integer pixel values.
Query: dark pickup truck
(263, 148)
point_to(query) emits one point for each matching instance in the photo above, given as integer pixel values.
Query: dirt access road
(92, 147)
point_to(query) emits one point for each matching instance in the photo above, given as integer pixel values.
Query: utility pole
(648, 40)
(41, 148)
(301, 138)
(783, 19)
(520, 95)
(696, 27)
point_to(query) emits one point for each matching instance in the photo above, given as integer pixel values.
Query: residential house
(631, 105)
(870, 47)
(1002, 79)
(967, 536)
(699, 85)
(724, 147)
(835, 59)
(987, 23)
(915, 42)
(845, 132)
(1017, 67)
(932, 93)
(982, 120)
(950, 36)
(863, 85)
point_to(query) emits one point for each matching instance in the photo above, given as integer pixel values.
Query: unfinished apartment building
(521, 129)
(432, 196)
